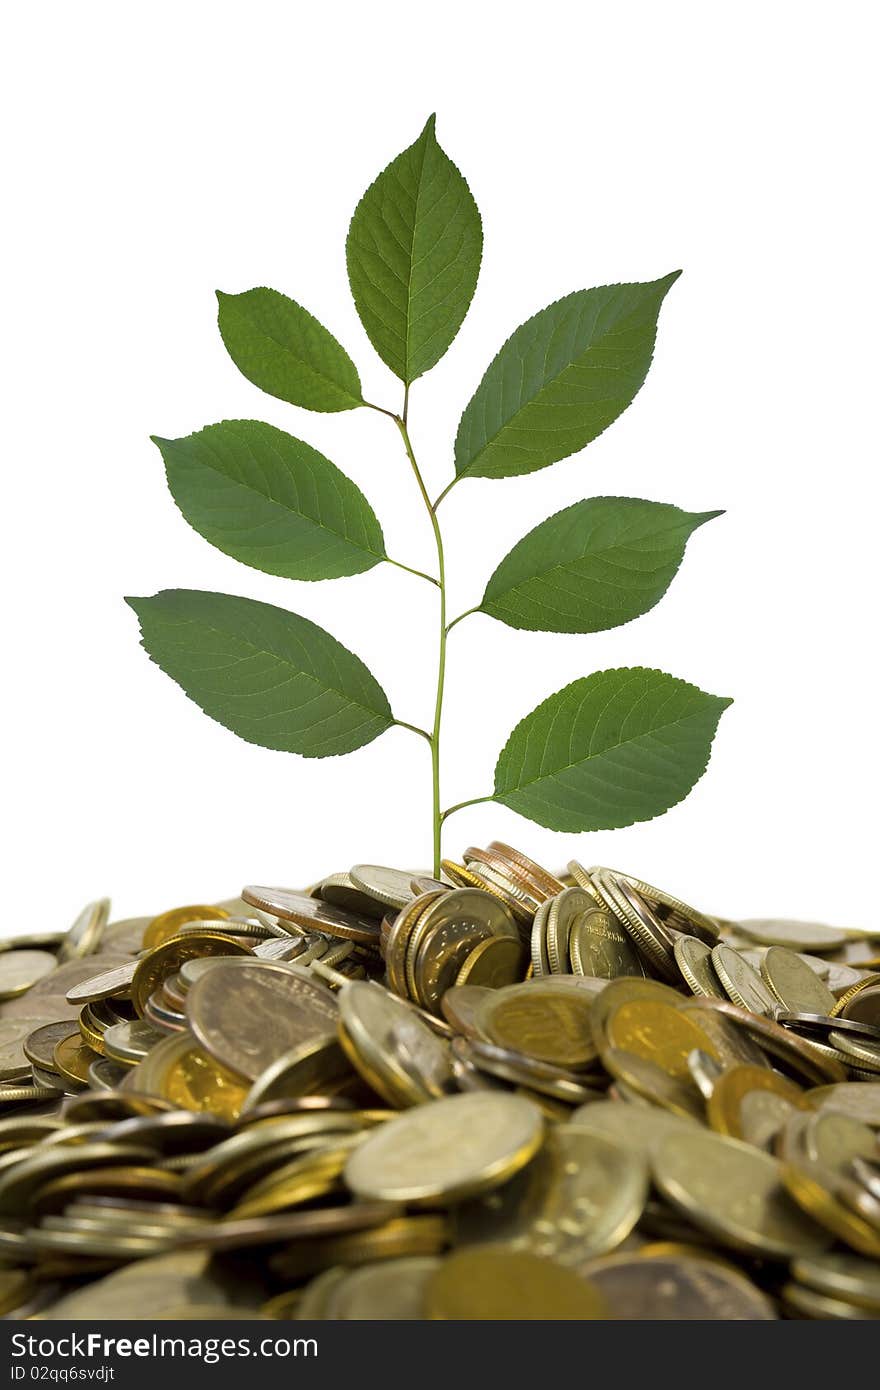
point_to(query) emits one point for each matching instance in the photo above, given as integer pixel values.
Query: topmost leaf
(413, 254)
(283, 349)
(560, 379)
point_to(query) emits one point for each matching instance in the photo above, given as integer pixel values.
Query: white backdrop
(161, 151)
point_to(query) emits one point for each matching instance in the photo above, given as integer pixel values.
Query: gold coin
(663, 1035)
(511, 875)
(782, 1043)
(313, 914)
(166, 959)
(671, 910)
(797, 936)
(460, 1005)
(398, 938)
(460, 874)
(540, 960)
(311, 1067)
(546, 882)
(91, 1033)
(677, 1284)
(694, 959)
(248, 1013)
(19, 970)
(638, 1128)
(129, 1042)
(536, 1080)
(543, 1019)
(848, 1277)
(39, 1045)
(861, 1051)
(386, 887)
(446, 1151)
(580, 1196)
(794, 983)
(863, 1007)
(809, 1303)
(195, 1081)
(85, 934)
(564, 908)
(493, 963)
(859, 1099)
(390, 1290)
(866, 982)
(599, 947)
(521, 907)
(444, 936)
(72, 1058)
(753, 1103)
(305, 1179)
(115, 981)
(735, 1193)
(342, 891)
(742, 983)
(511, 1285)
(806, 1185)
(639, 919)
(390, 1046)
(168, 924)
(640, 1077)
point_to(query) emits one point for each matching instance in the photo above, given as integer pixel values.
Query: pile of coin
(505, 1093)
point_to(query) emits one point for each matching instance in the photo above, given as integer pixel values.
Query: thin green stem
(420, 574)
(460, 805)
(380, 409)
(448, 488)
(461, 617)
(436, 818)
(414, 729)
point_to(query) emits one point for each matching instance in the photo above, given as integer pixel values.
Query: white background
(159, 151)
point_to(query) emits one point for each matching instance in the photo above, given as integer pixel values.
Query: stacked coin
(504, 1093)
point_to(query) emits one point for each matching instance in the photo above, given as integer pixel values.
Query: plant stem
(419, 573)
(466, 614)
(448, 488)
(436, 818)
(460, 805)
(414, 729)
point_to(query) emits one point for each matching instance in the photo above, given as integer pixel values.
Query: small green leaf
(560, 380)
(281, 348)
(616, 747)
(270, 676)
(413, 254)
(592, 566)
(272, 501)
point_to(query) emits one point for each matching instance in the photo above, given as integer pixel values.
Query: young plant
(612, 748)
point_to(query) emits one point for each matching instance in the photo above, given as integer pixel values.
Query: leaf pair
(561, 379)
(616, 747)
(413, 256)
(273, 502)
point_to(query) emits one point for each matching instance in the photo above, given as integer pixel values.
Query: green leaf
(413, 254)
(616, 747)
(270, 676)
(272, 501)
(592, 566)
(281, 348)
(560, 380)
